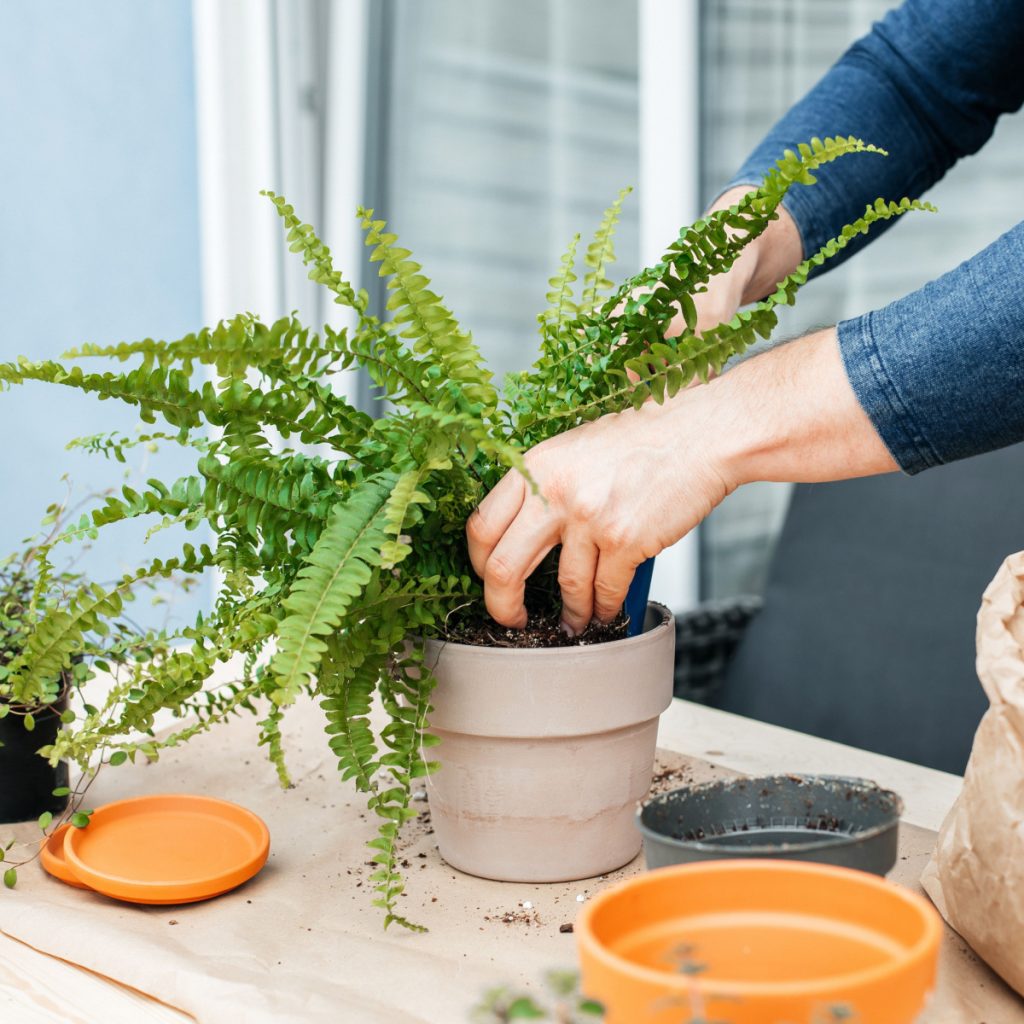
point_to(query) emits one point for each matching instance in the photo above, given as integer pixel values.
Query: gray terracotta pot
(545, 752)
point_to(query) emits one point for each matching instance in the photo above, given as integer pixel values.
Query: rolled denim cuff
(880, 398)
(940, 372)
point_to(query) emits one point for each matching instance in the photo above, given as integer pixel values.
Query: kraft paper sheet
(301, 942)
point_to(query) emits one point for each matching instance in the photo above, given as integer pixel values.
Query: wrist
(790, 415)
(765, 260)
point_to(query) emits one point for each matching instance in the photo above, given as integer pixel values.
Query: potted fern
(339, 536)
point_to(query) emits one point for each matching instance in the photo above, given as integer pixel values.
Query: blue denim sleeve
(927, 84)
(940, 372)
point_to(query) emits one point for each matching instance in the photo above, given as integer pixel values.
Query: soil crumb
(527, 917)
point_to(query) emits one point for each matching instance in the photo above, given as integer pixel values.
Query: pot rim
(667, 620)
(919, 951)
(767, 851)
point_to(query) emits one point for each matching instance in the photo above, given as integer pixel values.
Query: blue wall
(100, 229)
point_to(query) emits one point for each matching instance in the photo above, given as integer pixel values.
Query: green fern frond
(796, 168)
(270, 737)
(347, 709)
(58, 636)
(561, 305)
(601, 253)
(316, 255)
(114, 444)
(398, 513)
(424, 319)
(405, 692)
(670, 364)
(334, 575)
(274, 499)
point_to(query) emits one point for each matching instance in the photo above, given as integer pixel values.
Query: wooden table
(39, 989)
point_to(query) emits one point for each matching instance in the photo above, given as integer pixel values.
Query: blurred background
(138, 135)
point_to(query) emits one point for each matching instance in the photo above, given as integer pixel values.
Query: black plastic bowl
(825, 818)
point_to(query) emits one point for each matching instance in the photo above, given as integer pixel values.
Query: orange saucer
(51, 856)
(171, 848)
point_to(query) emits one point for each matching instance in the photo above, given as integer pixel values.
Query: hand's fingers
(491, 518)
(577, 564)
(532, 534)
(614, 575)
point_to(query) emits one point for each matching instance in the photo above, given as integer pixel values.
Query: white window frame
(669, 194)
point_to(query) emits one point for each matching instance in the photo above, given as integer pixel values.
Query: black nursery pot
(825, 818)
(27, 781)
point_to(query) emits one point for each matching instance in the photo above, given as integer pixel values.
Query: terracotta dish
(169, 848)
(758, 942)
(51, 856)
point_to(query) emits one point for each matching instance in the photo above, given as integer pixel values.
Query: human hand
(613, 493)
(622, 488)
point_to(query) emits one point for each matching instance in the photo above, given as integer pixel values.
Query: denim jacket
(940, 372)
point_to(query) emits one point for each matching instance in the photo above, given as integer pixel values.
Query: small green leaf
(30, 723)
(524, 1008)
(118, 757)
(80, 819)
(61, 791)
(11, 878)
(45, 819)
(67, 717)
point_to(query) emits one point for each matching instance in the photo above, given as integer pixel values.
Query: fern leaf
(601, 253)
(402, 500)
(270, 737)
(560, 297)
(428, 323)
(671, 364)
(334, 574)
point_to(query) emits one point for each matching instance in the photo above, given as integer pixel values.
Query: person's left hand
(619, 490)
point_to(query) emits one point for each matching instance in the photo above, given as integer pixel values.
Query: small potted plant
(28, 720)
(39, 706)
(339, 537)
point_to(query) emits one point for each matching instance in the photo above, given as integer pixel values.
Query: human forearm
(787, 415)
(620, 489)
(762, 263)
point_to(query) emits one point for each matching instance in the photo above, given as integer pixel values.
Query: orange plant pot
(758, 942)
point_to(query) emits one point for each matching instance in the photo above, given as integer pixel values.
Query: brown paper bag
(976, 874)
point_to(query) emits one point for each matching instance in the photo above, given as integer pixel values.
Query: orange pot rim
(709, 986)
(126, 888)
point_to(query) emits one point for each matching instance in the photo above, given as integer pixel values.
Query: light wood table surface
(39, 989)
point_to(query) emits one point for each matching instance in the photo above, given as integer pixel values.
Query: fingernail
(567, 629)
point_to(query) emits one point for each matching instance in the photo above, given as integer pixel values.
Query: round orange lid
(51, 856)
(170, 848)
